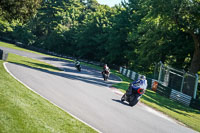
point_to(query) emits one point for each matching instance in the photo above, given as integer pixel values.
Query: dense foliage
(19, 9)
(136, 34)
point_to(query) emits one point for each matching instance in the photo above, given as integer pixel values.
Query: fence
(178, 80)
(171, 83)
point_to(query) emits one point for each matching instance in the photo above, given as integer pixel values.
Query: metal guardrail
(180, 97)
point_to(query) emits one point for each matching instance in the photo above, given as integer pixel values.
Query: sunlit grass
(13, 58)
(186, 115)
(8, 45)
(122, 86)
(23, 111)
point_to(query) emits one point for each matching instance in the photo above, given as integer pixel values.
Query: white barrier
(133, 75)
(128, 73)
(124, 71)
(120, 69)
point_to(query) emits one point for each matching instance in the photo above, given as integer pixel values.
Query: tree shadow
(43, 66)
(91, 79)
(69, 66)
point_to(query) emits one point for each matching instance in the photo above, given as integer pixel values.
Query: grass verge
(8, 45)
(12, 46)
(21, 110)
(13, 58)
(186, 115)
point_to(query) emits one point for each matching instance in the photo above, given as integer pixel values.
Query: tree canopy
(136, 34)
(19, 9)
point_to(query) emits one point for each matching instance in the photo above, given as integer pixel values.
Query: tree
(137, 11)
(19, 9)
(118, 47)
(92, 34)
(92, 5)
(185, 15)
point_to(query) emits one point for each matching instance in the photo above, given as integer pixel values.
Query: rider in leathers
(77, 63)
(106, 70)
(141, 83)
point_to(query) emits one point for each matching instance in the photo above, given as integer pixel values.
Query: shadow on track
(68, 66)
(119, 101)
(92, 79)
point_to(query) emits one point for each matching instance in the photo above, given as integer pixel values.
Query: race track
(85, 95)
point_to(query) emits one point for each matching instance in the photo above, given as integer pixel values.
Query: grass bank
(13, 58)
(12, 46)
(8, 45)
(23, 111)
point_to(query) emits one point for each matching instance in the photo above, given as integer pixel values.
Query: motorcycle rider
(106, 70)
(141, 83)
(77, 63)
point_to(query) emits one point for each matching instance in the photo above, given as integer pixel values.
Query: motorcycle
(78, 67)
(105, 75)
(132, 97)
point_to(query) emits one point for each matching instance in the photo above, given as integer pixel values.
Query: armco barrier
(124, 71)
(180, 97)
(133, 75)
(128, 73)
(120, 69)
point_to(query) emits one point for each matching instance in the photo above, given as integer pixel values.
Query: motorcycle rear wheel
(105, 77)
(123, 98)
(134, 101)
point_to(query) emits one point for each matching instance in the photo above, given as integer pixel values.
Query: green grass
(186, 115)
(23, 111)
(8, 45)
(122, 86)
(13, 58)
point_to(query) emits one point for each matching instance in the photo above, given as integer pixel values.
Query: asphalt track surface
(85, 95)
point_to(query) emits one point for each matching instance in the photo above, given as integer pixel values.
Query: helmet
(142, 77)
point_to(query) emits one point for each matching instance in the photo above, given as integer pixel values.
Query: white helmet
(142, 77)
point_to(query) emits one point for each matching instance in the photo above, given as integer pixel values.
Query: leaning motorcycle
(133, 97)
(78, 67)
(105, 75)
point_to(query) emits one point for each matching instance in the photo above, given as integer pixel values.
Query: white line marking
(4, 64)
